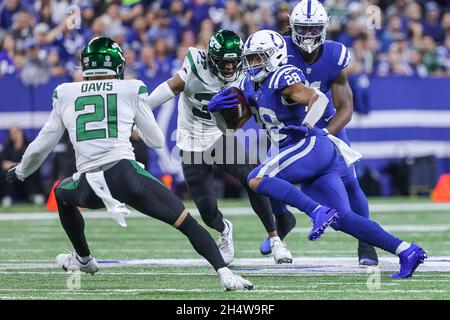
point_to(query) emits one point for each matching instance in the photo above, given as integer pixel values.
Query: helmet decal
(308, 10)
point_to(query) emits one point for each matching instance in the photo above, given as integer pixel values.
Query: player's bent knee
(58, 191)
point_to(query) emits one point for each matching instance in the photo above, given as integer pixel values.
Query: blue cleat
(322, 218)
(285, 223)
(264, 248)
(409, 261)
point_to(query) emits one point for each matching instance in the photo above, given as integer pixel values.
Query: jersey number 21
(98, 101)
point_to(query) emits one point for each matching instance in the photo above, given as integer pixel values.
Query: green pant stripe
(144, 172)
(72, 185)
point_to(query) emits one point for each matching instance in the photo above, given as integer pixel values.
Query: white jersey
(197, 130)
(99, 116)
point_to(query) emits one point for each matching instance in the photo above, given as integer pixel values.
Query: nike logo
(329, 118)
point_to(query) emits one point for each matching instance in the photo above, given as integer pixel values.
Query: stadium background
(399, 75)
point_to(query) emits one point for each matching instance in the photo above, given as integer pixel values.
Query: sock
(73, 224)
(202, 242)
(356, 197)
(273, 239)
(223, 271)
(286, 192)
(402, 247)
(367, 231)
(84, 260)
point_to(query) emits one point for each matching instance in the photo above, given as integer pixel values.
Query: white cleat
(281, 254)
(225, 243)
(69, 261)
(233, 282)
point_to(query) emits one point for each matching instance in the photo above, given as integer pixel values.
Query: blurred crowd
(43, 38)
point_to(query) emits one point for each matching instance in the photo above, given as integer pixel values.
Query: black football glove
(11, 175)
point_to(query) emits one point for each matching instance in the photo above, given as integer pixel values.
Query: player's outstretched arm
(343, 102)
(166, 91)
(39, 149)
(148, 128)
(313, 98)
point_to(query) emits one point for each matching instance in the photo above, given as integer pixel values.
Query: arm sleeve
(316, 111)
(148, 128)
(160, 95)
(39, 149)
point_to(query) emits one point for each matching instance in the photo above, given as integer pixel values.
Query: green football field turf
(149, 260)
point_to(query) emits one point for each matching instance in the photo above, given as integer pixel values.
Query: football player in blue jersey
(323, 63)
(302, 153)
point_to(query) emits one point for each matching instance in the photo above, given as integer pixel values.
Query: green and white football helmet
(102, 57)
(225, 47)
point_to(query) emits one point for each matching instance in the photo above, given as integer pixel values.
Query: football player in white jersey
(99, 114)
(202, 143)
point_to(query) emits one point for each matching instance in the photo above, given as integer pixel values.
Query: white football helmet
(309, 22)
(264, 52)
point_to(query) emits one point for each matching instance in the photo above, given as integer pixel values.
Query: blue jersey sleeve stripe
(275, 74)
(347, 59)
(277, 81)
(343, 54)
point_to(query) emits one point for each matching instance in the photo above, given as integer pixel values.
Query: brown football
(236, 113)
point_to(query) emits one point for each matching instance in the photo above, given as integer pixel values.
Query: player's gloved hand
(223, 100)
(295, 132)
(11, 175)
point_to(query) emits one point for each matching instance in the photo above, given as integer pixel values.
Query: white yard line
(108, 292)
(301, 265)
(230, 211)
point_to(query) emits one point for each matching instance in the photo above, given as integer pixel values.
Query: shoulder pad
(340, 54)
(286, 76)
(197, 62)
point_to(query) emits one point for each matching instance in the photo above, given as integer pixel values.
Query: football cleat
(367, 255)
(225, 243)
(69, 261)
(285, 223)
(409, 261)
(367, 262)
(280, 253)
(323, 217)
(265, 248)
(233, 282)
